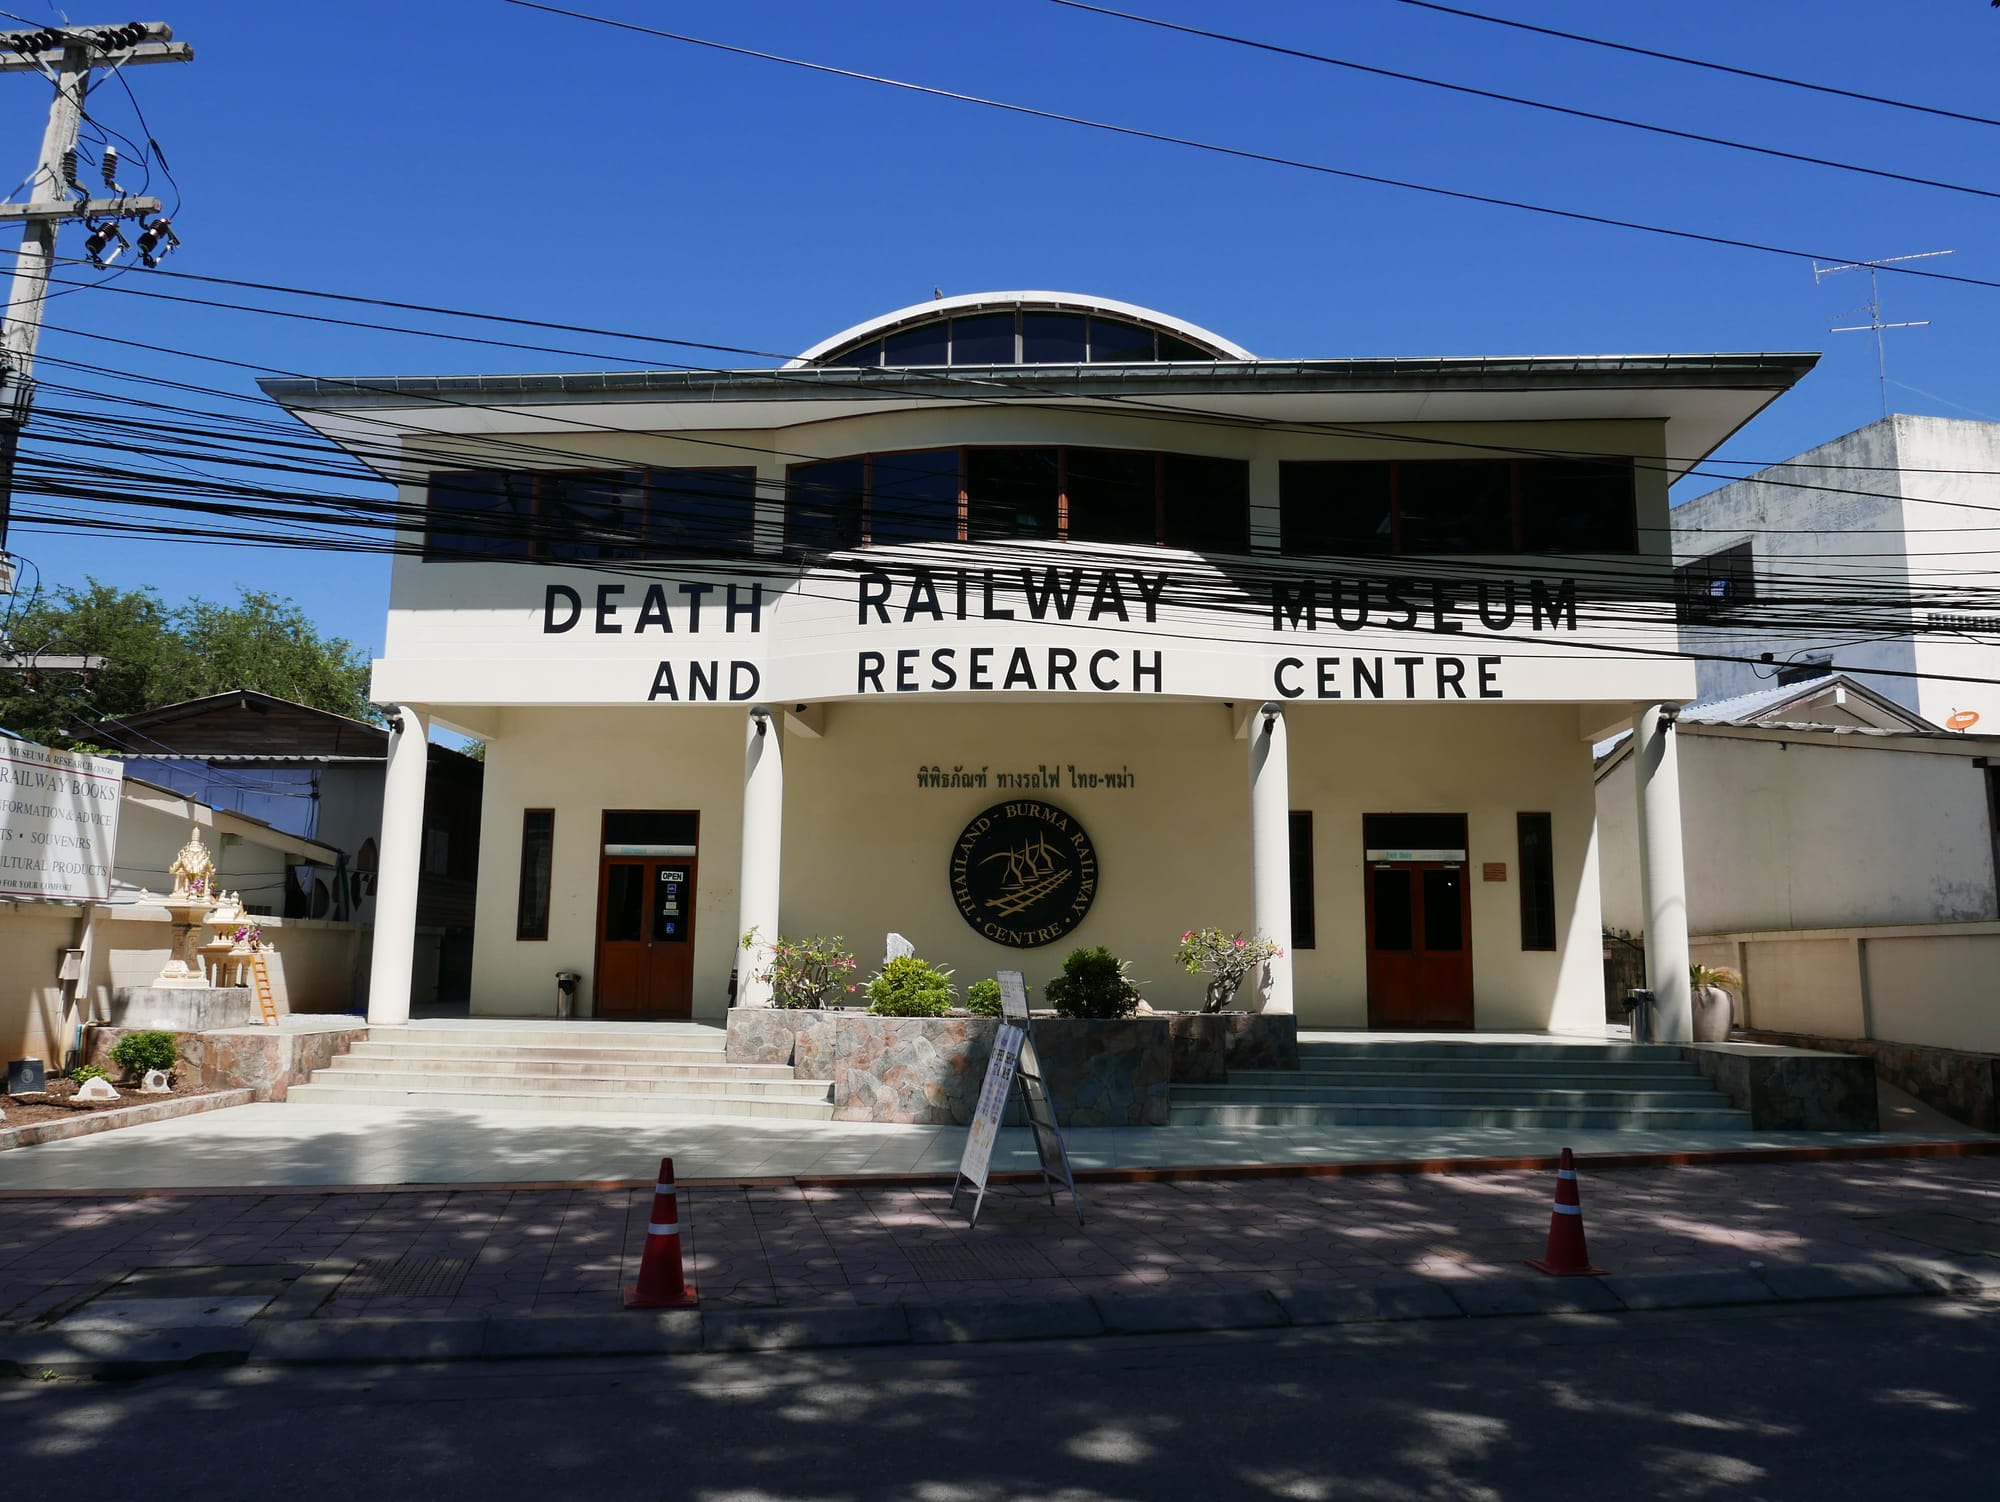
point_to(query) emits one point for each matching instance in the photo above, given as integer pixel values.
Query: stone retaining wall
(1791, 1089)
(266, 1060)
(929, 1069)
(1965, 1086)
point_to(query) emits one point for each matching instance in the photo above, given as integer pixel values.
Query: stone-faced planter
(1713, 1010)
(1207, 1045)
(929, 1069)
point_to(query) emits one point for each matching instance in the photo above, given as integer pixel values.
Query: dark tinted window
(1455, 506)
(1053, 338)
(1206, 504)
(538, 837)
(1113, 496)
(1444, 917)
(925, 345)
(1711, 587)
(862, 354)
(914, 497)
(700, 511)
(1114, 341)
(1390, 889)
(1011, 492)
(1413, 832)
(1179, 349)
(1573, 506)
(985, 340)
(648, 826)
(624, 899)
(1302, 880)
(592, 515)
(823, 505)
(482, 513)
(1538, 881)
(1338, 509)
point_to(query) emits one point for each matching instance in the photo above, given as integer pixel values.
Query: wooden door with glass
(646, 915)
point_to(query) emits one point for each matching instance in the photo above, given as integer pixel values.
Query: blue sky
(475, 155)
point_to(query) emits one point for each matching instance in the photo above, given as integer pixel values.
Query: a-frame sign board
(1014, 1062)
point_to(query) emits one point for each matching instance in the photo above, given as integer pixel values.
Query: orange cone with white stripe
(662, 1283)
(1567, 1256)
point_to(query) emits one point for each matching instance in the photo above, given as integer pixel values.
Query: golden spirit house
(1022, 621)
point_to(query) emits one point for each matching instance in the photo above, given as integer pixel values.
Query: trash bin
(1639, 1012)
(566, 991)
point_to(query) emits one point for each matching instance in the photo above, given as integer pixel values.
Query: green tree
(161, 654)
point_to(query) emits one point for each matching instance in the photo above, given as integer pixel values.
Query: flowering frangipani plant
(1227, 959)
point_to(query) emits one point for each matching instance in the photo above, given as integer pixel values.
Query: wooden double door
(645, 926)
(1419, 908)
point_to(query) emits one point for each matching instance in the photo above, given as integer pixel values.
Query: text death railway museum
(750, 650)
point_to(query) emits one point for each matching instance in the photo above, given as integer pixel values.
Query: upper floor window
(591, 514)
(1367, 507)
(1137, 497)
(1021, 338)
(1710, 588)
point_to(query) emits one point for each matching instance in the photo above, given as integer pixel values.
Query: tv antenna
(1873, 307)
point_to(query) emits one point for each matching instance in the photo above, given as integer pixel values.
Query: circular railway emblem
(1023, 873)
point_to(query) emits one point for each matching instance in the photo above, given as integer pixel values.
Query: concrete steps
(1600, 1087)
(622, 1071)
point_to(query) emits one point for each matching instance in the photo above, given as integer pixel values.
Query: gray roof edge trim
(1763, 371)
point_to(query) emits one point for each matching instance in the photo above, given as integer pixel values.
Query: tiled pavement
(426, 1253)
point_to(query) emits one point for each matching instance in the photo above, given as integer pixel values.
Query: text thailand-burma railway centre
(1024, 621)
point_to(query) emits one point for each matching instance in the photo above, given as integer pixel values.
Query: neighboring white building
(1849, 557)
(1025, 621)
(1841, 853)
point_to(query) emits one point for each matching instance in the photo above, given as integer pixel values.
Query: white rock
(95, 1089)
(155, 1083)
(899, 948)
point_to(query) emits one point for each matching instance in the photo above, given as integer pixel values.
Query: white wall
(1784, 833)
(1945, 514)
(866, 849)
(1806, 542)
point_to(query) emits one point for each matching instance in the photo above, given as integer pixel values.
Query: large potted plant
(1715, 989)
(1227, 959)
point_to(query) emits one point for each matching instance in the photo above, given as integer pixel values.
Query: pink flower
(1242, 943)
(1186, 936)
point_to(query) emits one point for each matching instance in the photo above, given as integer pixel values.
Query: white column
(763, 840)
(400, 862)
(1271, 850)
(1662, 873)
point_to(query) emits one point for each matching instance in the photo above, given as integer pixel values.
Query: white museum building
(1025, 621)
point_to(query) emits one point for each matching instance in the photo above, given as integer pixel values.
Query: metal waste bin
(566, 981)
(1639, 1012)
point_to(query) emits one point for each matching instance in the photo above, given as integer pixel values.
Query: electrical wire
(1349, 64)
(1714, 67)
(1241, 153)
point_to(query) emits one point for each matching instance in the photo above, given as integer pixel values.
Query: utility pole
(67, 56)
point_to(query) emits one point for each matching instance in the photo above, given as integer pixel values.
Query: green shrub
(983, 997)
(84, 1072)
(807, 973)
(135, 1053)
(910, 987)
(1094, 983)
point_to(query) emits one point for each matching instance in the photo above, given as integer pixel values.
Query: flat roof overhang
(1702, 399)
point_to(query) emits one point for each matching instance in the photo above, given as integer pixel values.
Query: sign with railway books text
(58, 823)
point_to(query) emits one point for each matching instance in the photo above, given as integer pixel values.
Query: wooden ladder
(267, 1001)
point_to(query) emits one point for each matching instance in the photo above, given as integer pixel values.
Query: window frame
(1305, 912)
(1537, 881)
(1516, 540)
(524, 929)
(545, 505)
(968, 531)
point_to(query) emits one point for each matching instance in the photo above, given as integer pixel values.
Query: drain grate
(946, 1264)
(408, 1277)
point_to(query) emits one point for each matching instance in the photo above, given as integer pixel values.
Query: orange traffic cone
(662, 1283)
(1567, 1256)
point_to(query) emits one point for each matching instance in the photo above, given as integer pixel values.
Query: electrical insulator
(157, 240)
(69, 168)
(101, 236)
(110, 162)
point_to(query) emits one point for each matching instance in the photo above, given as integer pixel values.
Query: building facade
(1027, 621)
(1857, 556)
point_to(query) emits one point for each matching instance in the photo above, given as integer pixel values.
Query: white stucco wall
(1784, 834)
(866, 849)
